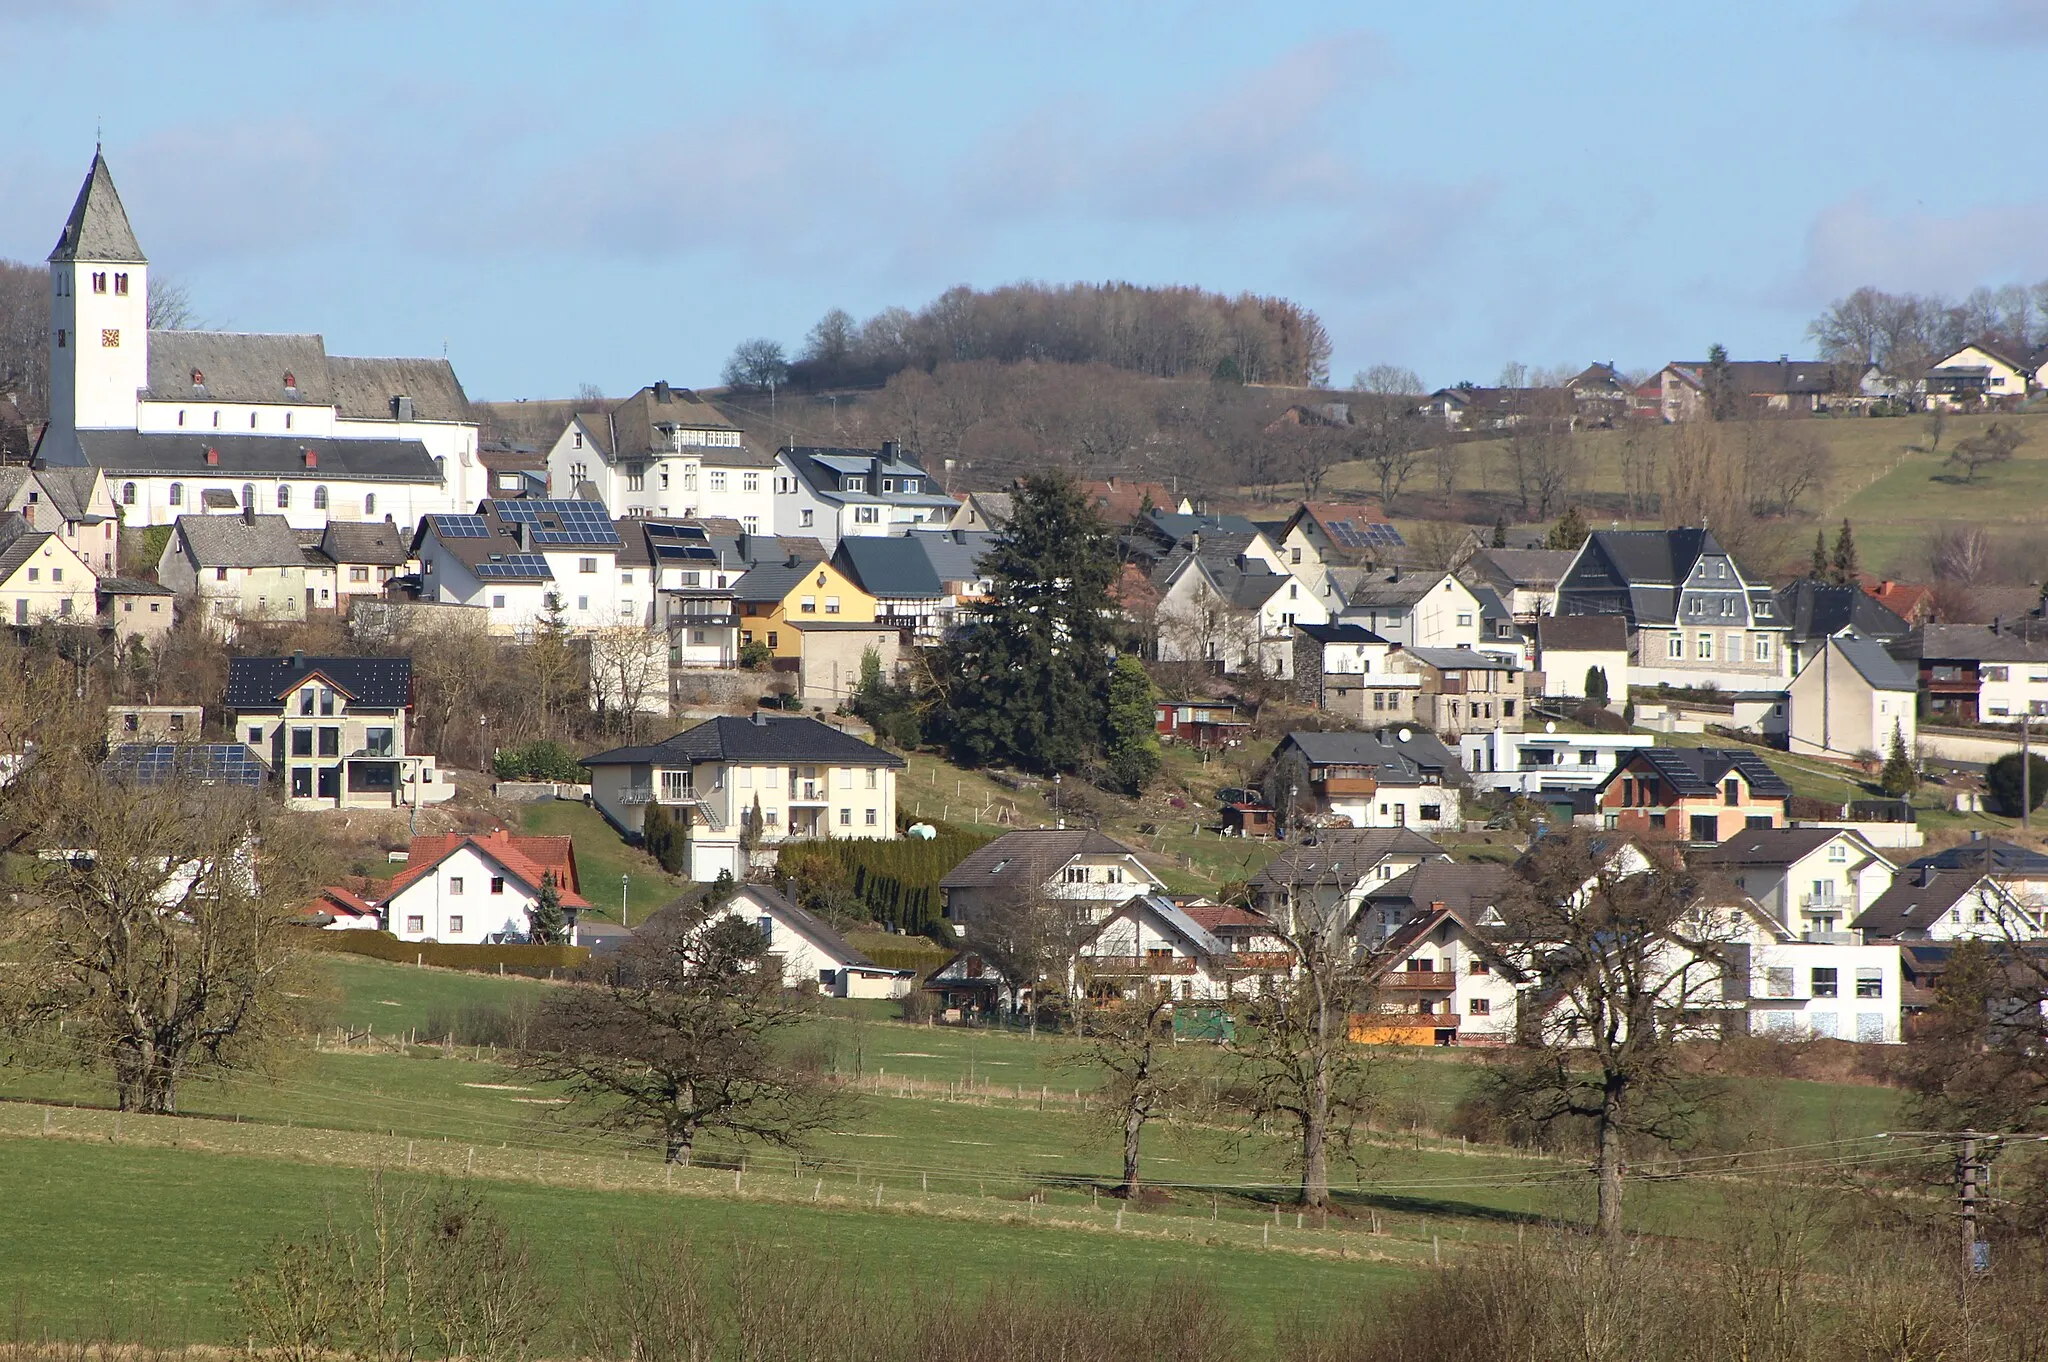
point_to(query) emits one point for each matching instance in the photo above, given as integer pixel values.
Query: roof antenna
(98, 132)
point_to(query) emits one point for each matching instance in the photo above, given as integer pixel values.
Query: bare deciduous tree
(1129, 1043)
(681, 1036)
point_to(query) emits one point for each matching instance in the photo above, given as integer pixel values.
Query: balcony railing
(1137, 964)
(807, 792)
(644, 794)
(1436, 979)
(1349, 785)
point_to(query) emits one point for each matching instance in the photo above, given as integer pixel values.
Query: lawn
(602, 858)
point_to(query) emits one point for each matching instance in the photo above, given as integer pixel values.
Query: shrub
(895, 883)
(540, 760)
(536, 960)
(665, 840)
(2002, 778)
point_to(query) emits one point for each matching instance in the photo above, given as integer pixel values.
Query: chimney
(663, 393)
(890, 449)
(298, 659)
(1997, 624)
(401, 408)
(249, 514)
(760, 718)
(212, 457)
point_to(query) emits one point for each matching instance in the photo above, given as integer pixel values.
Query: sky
(617, 191)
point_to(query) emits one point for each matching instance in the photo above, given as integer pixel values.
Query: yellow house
(41, 578)
(771, 597)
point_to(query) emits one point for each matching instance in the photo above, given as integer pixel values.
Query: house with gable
(1320, 535)
(1926, 903)
(1694, 618)
(1234, 611)
(235, 568)
(1464, 691)
(1987, 369)
(1436, 978)
(1851, 700)
(1150, 943)
(471, 890)
(1979, 673)
(809, 953)
(1812, 882)
(665, 453)
(347, 559)
(1575, 652)
(982, 512)
(774, 597)
(1815, 611)
(531, 560)
(1347, 669)
(897, 573)
(41, 580)
(1065, 865)
(2020, 871)
(1331, 871)
(72, 503)
(1394, 778)
(1417, 609)
(1703, 795)
(833, 493)
(334, 730)
(807, 780)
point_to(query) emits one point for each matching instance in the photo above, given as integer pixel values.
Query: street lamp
(1057, 820)
(623, 880)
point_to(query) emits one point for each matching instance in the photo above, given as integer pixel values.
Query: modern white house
(1538, 762)
(664, 453)
(809, 952)
(1812, 882)
(829, 493)
(473, 890)
(1046, 864)
(529, 561)
(334, 730)
(799, 777)
(186, 422)
(1575, 651)
(1851, 700)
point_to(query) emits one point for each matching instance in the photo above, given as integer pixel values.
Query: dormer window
(291, 384)
(198, 378)
(856, 484)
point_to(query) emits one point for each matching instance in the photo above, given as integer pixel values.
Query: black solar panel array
(461, 526)
(513, 567)
(213, 763)
(581, 522)
(1366, 534)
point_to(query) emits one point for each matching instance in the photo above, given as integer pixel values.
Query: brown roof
(1028, 857)
(1582, 633)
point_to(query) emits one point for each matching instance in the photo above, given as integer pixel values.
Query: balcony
(1259, 960)
(1337, 786)
(1437, 980)
(1137, 964)
(807, 792)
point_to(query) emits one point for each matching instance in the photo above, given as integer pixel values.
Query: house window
(454, 921)
(302, 742)
(99, 281)
(1478, 1007)
(1464, 619)
(867, 515)
(1778, 981)
(750, 482)
(415, 924)
(320, 498)
(586, 565)
(1869, 981)
(1477, 967)
(326, 702)
(62, 339)
(831, 605)
(871, 818)
(1760, 648)
(497, 602)
(1294, 555)
(871, 777)
(1706, 828)
(454, 884)
(1825, 984)
(752, 523)
(1705, 650)
(809, 605)
(1674, 646)
(1731, 793)
(497, 884)
(1429, 813)
(803, 518)
(772, 643)
(1989, 673)
(121, 285)
(370, 504)
(359, 574)
(302, 782)
(255, 736)
(378, 742)
(330, 742)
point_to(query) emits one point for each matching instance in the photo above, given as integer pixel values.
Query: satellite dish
(1550, 725)
(1403, 735)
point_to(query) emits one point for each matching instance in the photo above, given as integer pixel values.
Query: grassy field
(602, 856)
(1883, 479)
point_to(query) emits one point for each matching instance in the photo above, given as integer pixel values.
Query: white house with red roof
(479, 888)
(340, 909)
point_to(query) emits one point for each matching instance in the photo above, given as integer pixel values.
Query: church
(213, 422)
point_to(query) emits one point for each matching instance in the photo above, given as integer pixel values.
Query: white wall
(1783, 1001)
(467, 912)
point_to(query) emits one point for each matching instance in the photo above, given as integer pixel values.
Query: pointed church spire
(98, 226)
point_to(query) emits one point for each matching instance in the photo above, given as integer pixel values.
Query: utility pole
(623, 881)
(2026, 772)
(1971, 1169)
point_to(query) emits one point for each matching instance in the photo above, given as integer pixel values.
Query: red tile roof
(524, 858)
(1214, 915)
(335, 899)
(1903, 600)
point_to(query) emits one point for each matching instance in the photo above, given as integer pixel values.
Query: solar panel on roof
(513, 565)
(207, 763)
(461, 527)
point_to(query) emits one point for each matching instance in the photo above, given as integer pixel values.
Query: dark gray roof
(1916, 899)
(760, 737)
(1339, 633)
(773, 581)
(98, 226)
(1874, 664)
(1466, 889)
(955, 555)
(151, 454)
(1634, 573)
(1029, 855)
(1399, 763)
(259, 683)
(1177, 527)
(69, 491)
(1699, 770)
(131, 586)
(20, 547)
(888, 566)
(1979, 643)
(364, 541)
(238, 367)
(1992, 855)
(231, 541)
(1463, 660)
(1765, 846)
(1536, 568)
(1371, 586)
(1341, 855)
(1818, 609)
(1582, 633)
(1491, 606)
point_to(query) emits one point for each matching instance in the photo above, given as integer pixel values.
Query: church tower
(99, 318)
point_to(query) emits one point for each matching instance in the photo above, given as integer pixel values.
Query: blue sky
(616, 191)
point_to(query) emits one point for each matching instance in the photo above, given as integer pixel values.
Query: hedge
(531, 960)
(896, 882)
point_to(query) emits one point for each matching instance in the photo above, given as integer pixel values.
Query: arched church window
(248, 496)
(127, 494)
(320, 497)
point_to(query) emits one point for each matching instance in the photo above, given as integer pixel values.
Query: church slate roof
(238, 367)
(157, 454)
(363, 388)
(98, 226)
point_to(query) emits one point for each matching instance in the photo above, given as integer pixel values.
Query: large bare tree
(684, 1033)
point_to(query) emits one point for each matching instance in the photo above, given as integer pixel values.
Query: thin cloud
(1854, 242)
(1971, 23)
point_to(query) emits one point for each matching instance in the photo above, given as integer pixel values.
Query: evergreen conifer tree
(1843, 566)
(1133, 733)
(1569, 532)
(1596, 684)
(545, 921)
(1898, 777)
(1028, 685)
(1500, 532)
(1818, 568)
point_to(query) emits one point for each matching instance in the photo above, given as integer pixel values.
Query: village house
(1320, 535)
(1204, 724)
(898, 574)
(1159, 537)
(1436, 979)
(73, 503)
(179, 421)
(1812, 882)
(236, 568)
(772, 597)
(335, 730)
(1694, 618)
(133, 609)
(982, 512)
(1925, 903)
(1463, 690)
(806, 948)
(1330, 871)
(834, 493)
(1235, 612)
(347, 559)
(1577, 655)
(1913, 604)
(41, 580)
(1979, 673)
(1696, 794)
(1346, 669)
(691, 596)
(1536, 764)
(1526, 580)
(1033, 865)
(533, 562)
(473, 890)
(805, 778)
(1389, 779)
(1151, 944)
(1851, 700)
(833, 653)
(2021, 871)
(1690, 390)
(666, 453)
(957, 560)
(1815, 611)
(1985, 370)
(1417, 609)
